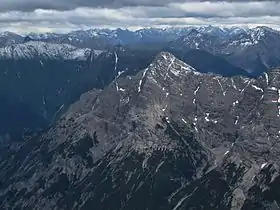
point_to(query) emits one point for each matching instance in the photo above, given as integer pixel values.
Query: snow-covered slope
(38, 49)
(8, 38)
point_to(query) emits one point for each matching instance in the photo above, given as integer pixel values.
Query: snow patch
(233, 84)
(175, 72)
(180, 202)
(141, 81)
(196, 90)
(116, 61)
(235, 103)
(278, 102)
(266, 78)
(184, 121)
(145, 162)
(207, 117)
(226, 152)
(224, 92)
(159, 165)
(169, 67)
(248, 83)
(236, 121)
(120, 73)
(273, 88)
(167, 120)
(208, 120)
(117, 86)
(257, 88)
(263, 165)
(194, 123)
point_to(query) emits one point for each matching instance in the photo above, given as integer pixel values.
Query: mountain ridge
(115, 35)
(255, 50)
(32, 49)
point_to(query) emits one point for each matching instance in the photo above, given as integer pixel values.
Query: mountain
(261, 51)
(84, 38)
(87, 38)
(224, 51)
(42, 50)
(8, 38)
(170, 136)
(255, 50)
(38, 80)
(206, 62)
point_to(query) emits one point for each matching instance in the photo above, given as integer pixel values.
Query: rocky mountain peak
(167, 135)
(164, 59)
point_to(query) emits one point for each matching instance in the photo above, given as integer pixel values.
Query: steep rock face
(169, 136)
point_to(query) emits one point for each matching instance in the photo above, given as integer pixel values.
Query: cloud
(31, 5)
(61, 15)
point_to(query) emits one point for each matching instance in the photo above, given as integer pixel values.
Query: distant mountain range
(146, 35)
(83, 38)
(255, 50)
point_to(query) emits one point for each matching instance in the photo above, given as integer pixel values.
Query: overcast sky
(64, 15)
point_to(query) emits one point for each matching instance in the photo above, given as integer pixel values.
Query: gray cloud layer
(30, 5)
(64, 15)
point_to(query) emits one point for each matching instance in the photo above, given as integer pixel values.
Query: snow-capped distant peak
(33, 49)
(6, 33)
